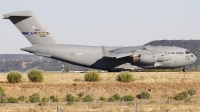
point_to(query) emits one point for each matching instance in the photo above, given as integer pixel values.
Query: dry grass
(159, 84)
(100, 108)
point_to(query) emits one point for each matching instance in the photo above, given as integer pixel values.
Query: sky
(104, 22)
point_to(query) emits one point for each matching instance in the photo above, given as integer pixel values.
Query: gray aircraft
(98, 57)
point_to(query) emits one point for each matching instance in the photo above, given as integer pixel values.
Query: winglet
(105, 52)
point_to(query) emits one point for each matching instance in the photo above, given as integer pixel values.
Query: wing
(126, 51)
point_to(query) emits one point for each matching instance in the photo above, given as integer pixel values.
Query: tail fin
(31, 27)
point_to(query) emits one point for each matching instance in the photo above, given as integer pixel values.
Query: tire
(184, 69)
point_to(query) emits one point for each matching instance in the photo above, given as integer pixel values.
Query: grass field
(158, 84)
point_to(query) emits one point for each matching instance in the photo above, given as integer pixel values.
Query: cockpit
(187, 52)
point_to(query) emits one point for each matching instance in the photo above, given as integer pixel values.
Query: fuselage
(93, 57)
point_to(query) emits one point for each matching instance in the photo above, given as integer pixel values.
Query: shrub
(22, 98)
(35, 97)
(88, 98)
(2, 91)
(13, 100)
(3, 100)
(102, 98)
(116, 96)
(184, 94)
(74, 84)
(44, 101)
(128, 98)
(181, 96)
(92, 76)
(77, 80)
(111, 99)
(78, 99)
(36, 76)
(14, 77)
(3, 94)
(144, 95)
(191, 92)
(54, 99)
(66, 70)
(70, 98)
(125, 77)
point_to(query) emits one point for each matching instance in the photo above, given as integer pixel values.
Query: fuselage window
(187, 52)
(179, 52)
(172, 52)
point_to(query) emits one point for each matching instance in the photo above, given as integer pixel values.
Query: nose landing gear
(184, 69)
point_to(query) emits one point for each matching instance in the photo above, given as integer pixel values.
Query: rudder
(31, 27)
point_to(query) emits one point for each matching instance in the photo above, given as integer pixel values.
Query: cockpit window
(187, 52)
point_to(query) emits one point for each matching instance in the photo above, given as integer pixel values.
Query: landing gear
(113, 70)
(184, 69)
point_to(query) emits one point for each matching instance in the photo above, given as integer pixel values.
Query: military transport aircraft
(98, 57)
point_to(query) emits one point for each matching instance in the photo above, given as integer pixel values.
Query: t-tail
(31, 27)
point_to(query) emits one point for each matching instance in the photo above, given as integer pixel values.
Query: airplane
(98, 57)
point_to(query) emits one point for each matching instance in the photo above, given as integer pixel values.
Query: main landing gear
(184, 69)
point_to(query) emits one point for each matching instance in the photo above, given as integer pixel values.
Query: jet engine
(149, 58)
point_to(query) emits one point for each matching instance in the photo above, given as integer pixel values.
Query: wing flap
(40, 54)
(123, 55)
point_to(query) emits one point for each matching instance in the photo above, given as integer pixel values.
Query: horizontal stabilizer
(17, 14)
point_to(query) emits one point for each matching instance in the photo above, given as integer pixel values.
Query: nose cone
(194, 58)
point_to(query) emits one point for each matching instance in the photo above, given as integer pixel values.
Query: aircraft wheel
(184, 70)
(113, 70)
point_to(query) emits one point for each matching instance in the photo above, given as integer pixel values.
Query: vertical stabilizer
(31, 27)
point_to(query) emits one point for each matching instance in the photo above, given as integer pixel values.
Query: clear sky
(104, 22)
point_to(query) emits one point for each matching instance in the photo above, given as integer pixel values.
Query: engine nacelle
(149, 58)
